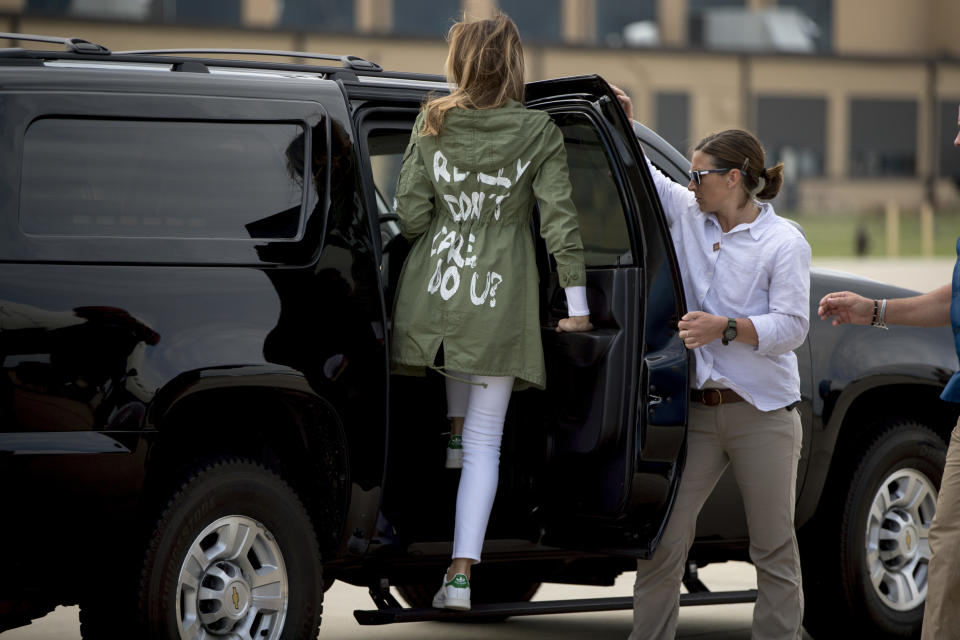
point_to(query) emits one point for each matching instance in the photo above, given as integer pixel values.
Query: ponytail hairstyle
(485, 61)
(740, 150)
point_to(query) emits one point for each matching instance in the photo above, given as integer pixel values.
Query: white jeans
(483, 405)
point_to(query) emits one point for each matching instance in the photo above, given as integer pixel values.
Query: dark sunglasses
(695, 175)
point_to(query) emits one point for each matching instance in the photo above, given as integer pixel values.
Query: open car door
(615, 410)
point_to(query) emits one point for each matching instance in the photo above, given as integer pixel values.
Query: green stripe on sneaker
(459, 581)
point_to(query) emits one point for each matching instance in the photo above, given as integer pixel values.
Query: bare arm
(927, 310)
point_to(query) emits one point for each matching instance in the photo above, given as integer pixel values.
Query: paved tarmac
(713, 622)
(920, 274)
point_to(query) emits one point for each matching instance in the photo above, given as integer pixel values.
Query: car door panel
(616, 399)
(585, 370)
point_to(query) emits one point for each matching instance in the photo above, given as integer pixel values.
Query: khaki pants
(941, 618)
(763, 448)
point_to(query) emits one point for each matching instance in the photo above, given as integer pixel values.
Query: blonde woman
(477, 162)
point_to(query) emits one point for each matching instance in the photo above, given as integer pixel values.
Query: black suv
(198, 429)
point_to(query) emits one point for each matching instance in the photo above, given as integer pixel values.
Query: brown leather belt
(713, 397)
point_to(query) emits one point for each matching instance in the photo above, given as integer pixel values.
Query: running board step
(391, 615)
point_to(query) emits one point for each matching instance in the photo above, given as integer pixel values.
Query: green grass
(834, 234)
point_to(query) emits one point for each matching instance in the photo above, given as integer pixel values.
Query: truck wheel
(867, 565)
(234, 555)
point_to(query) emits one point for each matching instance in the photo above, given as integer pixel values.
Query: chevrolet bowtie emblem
(908, 540)
(236, 597)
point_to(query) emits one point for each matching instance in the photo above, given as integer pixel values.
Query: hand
(845, 308)
(625, 101)
(574, 324)
(698, 328)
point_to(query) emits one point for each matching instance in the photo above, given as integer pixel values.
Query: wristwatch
(730, 333)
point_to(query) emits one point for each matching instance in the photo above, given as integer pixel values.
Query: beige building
(858, 97)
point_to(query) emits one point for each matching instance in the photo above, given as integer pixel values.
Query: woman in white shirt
(746, 276)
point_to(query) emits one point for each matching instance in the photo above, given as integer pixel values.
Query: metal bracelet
(881, 320)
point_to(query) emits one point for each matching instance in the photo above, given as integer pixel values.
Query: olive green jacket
(465, 199)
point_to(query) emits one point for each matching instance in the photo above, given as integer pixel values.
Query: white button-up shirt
(759, 271)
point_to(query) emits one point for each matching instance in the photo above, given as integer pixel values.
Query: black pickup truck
(199, 432)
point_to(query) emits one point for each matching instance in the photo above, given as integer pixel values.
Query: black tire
(225, 503)
(840, 596)
(495, 586)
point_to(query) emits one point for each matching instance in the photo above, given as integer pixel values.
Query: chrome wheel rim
(897, 538)
(233, 583)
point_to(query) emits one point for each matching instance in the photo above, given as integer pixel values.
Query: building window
(883, 138)
(111, 9)
(536, 19)
(946, 134)
(213, 12)
(699, 6)
(794, 131)
(785, 26)
(820, 13)
(695, 19)
(317, 15)
(613, 17)
(425, 17)
(672, 113)
(47, 6)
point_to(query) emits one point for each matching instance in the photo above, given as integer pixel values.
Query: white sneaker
(453, 594)
(455, 453)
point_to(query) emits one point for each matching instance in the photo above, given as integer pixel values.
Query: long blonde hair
(485, 61)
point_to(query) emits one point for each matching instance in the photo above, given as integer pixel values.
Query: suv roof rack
(349, 62)
(77, 48)
(73, 45)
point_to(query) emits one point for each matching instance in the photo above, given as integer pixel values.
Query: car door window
(386, 147)
(385, 134)
(603, 229)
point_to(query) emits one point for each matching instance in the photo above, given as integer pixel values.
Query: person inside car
(941, 617)
(746, 277)
(476, 162)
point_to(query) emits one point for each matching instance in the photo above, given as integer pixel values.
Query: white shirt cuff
(764, 327)
(577, 301)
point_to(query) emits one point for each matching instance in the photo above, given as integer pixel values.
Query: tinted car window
(386, 147)
(603, 228)
(157, 179)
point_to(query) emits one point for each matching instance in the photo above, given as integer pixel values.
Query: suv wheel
(868, 563)
(234, 554)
